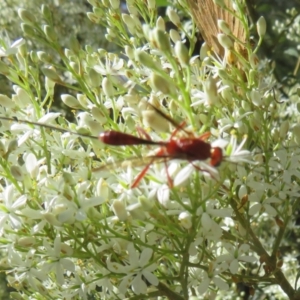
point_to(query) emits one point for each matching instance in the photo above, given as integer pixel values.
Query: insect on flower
(189, 148)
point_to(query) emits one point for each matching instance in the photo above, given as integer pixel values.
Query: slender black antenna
(16, 120)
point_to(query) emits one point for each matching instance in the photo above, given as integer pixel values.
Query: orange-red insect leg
(204, 136)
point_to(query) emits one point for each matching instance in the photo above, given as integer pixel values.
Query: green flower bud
(115, 4)
(161, 40)
(261, 26)
(12, 146)
(154, 120)
(182, 54)
(173, 16)
(94, 78)
(28, 30)
(51, 74)
(225, 41)
(34, 57)
(174, 35)
(46, 12)
(161, 84)
(2, 149)
(108, 88)
(129, 52)
(93, 17)
(211, 91)
(83, 100)
(224, 27)
(74, 44)
(151, 4)
(70, 101)
(146, 60)
(26, 16)
(284, 128)
(44, 57)
(50, 33)
(296, 134)
(160, 24)
(119, 210)
(203, 51)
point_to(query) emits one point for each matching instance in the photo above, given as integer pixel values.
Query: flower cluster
(72, 226)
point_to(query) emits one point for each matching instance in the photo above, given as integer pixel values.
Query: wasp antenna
(43, 125)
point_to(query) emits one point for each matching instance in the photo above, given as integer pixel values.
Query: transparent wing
(134, 161)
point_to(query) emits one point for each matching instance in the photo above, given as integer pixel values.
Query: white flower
(137, 267)
(212, 275)
(25, 267)
(7, 50)
(56, 260)
(235, 255)
(9, 209)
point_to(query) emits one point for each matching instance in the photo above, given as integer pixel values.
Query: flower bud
(146, 60)
(26, 16)
(132, 9)
(119, 210)
(46, 12)
(28, 30)
(211, 91)
(44, 57)
(242, 191)
(70, 101)
(224, 27)
(160, 24)
(255, 98)
(261, 26)
(173, 16)
(154, 120)
(115, 4)
(51, 74)
(284, 128)
(26, 241)
(94, 78)
(161, 40)
(49, 86)
(108, 88)
(253, 59)
(74, 45)
(32, 165)
(129, 52)
(50, 33)
(252, 76)
(174, 35)
(12, 146)
(203, 51)
(225, 41)
(102, 189)
(161, 84)
(185, 220)
(182, 53)
(296, 134)
(151, 4)
(17, 173)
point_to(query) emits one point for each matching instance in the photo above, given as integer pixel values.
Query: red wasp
(188, 148)
(185, 148)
